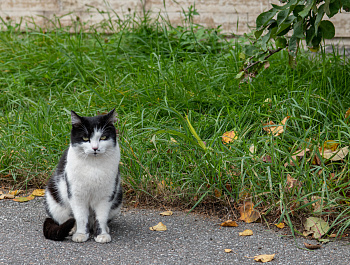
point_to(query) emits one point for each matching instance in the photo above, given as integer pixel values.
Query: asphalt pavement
(189, 239)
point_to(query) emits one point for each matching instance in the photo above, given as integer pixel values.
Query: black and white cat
(84, 193)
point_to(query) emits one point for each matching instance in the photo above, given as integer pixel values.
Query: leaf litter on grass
(316, 227)
(248, 213)
(275, 130)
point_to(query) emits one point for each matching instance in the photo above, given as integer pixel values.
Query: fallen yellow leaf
(280, 225)
(166, 213)
(7, 196)
(246, 232)
(159, 227)
(24, 199)
(228, 250)
(264, 258)
(229, 137)
(331, 144)
(14, 192)
(248, 213)
(38, 192)
(229, 223)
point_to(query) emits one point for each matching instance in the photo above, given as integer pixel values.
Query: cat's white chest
(91, 173)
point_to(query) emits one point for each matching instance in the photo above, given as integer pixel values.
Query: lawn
(175, 92)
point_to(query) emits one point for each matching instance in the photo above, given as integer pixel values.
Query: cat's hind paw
(77, 237)
(103, 238)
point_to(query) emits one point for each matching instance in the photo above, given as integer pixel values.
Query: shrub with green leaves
(286, 25)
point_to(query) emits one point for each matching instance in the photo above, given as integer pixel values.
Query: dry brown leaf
(292, 207)
(269, 127)
(300, 153)
(311, 246)
(347, 114)
(228, 137)
(307, 233)
(248, 213)
(166, 213)
(317, 204)
(24, 199)
(266, 159)
(38, 193)
(335, 155)
(252, 149)
(276, 130)
(159, 227)
(246, 232)
(228, 250)
(267, 102)
(217, 193)
(338, 235)
(292, 182)
(173, 140)
(317, 226)
(6, 196)
(280, 225)
(264, 258)
(229, 223)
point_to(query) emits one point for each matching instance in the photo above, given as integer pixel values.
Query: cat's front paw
(103, 238)
(77, 237)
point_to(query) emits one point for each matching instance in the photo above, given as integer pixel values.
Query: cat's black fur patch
(117, 196)
(69, 192)
(97, 228)
(116, 185)
(118, 199)
(57, 232)
(51, 185)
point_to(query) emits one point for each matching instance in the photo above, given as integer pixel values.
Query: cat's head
(94, 135)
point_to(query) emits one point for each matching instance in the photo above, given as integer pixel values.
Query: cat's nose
(95, 148)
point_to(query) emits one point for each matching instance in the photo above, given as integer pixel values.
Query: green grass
(156, 75)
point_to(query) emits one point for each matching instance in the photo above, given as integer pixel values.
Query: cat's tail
(57, 232)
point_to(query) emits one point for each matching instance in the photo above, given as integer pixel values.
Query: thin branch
(266, 57)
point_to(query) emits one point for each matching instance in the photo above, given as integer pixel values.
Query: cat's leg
(101, 230)
(81, 215)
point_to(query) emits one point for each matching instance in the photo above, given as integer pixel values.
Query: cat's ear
(112, 116)
(76, 119)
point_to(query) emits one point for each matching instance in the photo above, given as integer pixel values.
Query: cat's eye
(86, 138)
(103, 138)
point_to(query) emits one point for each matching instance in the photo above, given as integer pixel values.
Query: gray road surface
(190, 239)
